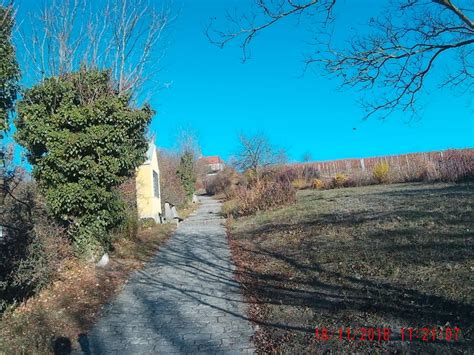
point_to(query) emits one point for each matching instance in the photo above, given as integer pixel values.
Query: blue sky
(218, 97)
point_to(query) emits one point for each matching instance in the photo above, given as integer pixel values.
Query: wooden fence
(457, 159)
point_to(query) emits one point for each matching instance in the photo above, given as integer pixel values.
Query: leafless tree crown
(391, 61)
(124, 36)
(256, 153)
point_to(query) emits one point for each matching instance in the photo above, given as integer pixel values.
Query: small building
(148, 186)
(212, 165)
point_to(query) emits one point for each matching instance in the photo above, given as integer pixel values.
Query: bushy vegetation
(299, 184)
(172, 190)
(260, 196)
(450, 166)
(128, 228)
(187, 174)
(9, 70)
(71, 304)
(301, 177)
(456, 166)
(318, 184)
(339, 180)
(33, 247)
(381, 172)
(222, 184)
(82, 139)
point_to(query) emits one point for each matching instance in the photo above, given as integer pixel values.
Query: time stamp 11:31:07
(386, 334)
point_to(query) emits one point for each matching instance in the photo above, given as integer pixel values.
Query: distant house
(148, 186)
(212, 165)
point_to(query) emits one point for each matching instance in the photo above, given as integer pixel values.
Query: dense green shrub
(187, 174)
(82, 139)
(9, 70)
(128, 227)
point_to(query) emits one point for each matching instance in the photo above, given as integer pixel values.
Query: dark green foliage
(186, 173)
(83, 139)
(9, 71)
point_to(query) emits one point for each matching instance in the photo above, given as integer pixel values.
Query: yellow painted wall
(148, 205)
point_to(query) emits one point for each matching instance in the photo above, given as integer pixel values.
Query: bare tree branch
(256, 153)
(124, 36)
(267, 14)
(390, 63)
(449, 5)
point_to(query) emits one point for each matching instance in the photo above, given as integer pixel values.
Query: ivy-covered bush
(9, 71)
(82, 139)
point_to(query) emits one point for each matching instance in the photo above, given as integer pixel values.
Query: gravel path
(184, 301)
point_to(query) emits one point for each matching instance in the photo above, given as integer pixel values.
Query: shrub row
(454, 166)
(263, 195)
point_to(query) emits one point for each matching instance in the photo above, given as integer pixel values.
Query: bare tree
(393, 59)
(306, 157)
(124, 36)
(257, 153)
(187, 141)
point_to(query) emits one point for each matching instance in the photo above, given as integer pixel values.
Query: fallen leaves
(72, 303)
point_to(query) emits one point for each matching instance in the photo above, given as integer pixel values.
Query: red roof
(211, 160)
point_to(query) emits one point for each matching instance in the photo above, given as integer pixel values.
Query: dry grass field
(385, 256)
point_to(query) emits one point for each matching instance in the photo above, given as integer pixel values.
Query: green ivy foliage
(186, 173)
(82, 139)
(9, 70)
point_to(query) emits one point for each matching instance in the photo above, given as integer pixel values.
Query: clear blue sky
(218, 96)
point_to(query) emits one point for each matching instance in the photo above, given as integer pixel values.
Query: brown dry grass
(390, 255)
(72, 303)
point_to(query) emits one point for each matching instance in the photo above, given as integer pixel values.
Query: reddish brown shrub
(451, 165)
(172, 190)
(223, 183)
(262, 196)
(33, 247)
(457, 165)
(301, 175)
